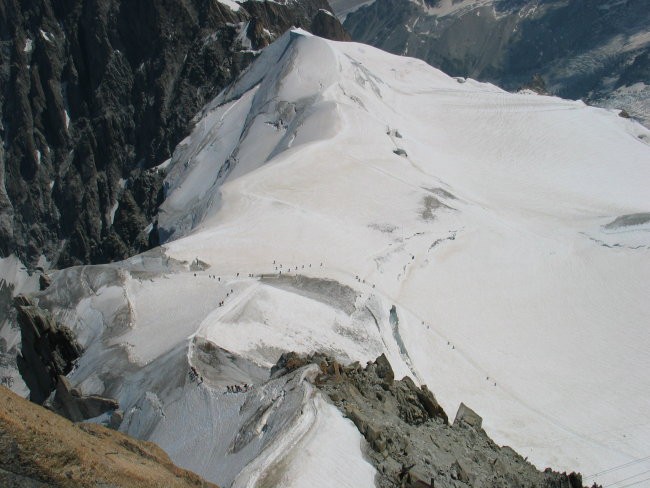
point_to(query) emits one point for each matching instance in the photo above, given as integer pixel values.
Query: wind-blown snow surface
(511, 233)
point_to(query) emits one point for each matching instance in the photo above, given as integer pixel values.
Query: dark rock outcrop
(94, 94)
(325, 24)
(288, 362)
(411, 442)
(48, 350)
(44, 281)
(536, 84)
(70, 403)
(8, 334)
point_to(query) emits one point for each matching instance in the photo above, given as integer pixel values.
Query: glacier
(337, 198)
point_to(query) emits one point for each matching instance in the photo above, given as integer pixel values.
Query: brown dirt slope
(40, 448)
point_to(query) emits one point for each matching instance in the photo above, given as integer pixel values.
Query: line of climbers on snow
(195, 376)
(278, 267)
(238, 388)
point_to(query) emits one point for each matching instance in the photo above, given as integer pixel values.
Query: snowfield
(495, 246)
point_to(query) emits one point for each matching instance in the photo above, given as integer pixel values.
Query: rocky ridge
(411, 441)
(95, 95)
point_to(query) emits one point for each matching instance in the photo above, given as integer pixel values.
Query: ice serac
(339, 199)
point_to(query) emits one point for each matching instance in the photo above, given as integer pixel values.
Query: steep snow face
(341, 199)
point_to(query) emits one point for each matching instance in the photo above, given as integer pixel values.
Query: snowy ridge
(354, 202)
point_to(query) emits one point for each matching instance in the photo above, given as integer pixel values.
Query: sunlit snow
(346, 180)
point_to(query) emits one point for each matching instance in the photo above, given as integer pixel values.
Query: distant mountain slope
(94, 94)
(598, 50)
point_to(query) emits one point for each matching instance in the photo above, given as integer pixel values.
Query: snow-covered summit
(494, 246)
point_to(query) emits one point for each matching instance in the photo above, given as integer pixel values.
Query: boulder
(467, 416)
(116, 420)
(325, 24)
(459, 473)
(390, 467)
(357, 418)
(418, 477)
(431, 405)
(409, 409)
(70, 403)
(384, 369)
(288, 362)
(379, 444)
(44, 281)
(372, 433)
(198, 265)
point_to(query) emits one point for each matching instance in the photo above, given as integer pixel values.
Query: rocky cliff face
(595, 50)
(48, 349)
(95, 94)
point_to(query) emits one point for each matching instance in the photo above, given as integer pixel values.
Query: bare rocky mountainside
(95, 94)
(41, 449)
(598, 50)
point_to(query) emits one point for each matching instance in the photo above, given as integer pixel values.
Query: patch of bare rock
(411, 442)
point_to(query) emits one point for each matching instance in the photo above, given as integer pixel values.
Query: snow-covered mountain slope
(340, 199)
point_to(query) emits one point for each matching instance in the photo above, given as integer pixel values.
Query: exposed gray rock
(411, 442)
(198, 265)
(384, 370)
(459, 473)
(628, 221)
(467, 416)
(44, 281)
(325, 24)
(48, 349)
(72, 404)
(536, 84)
